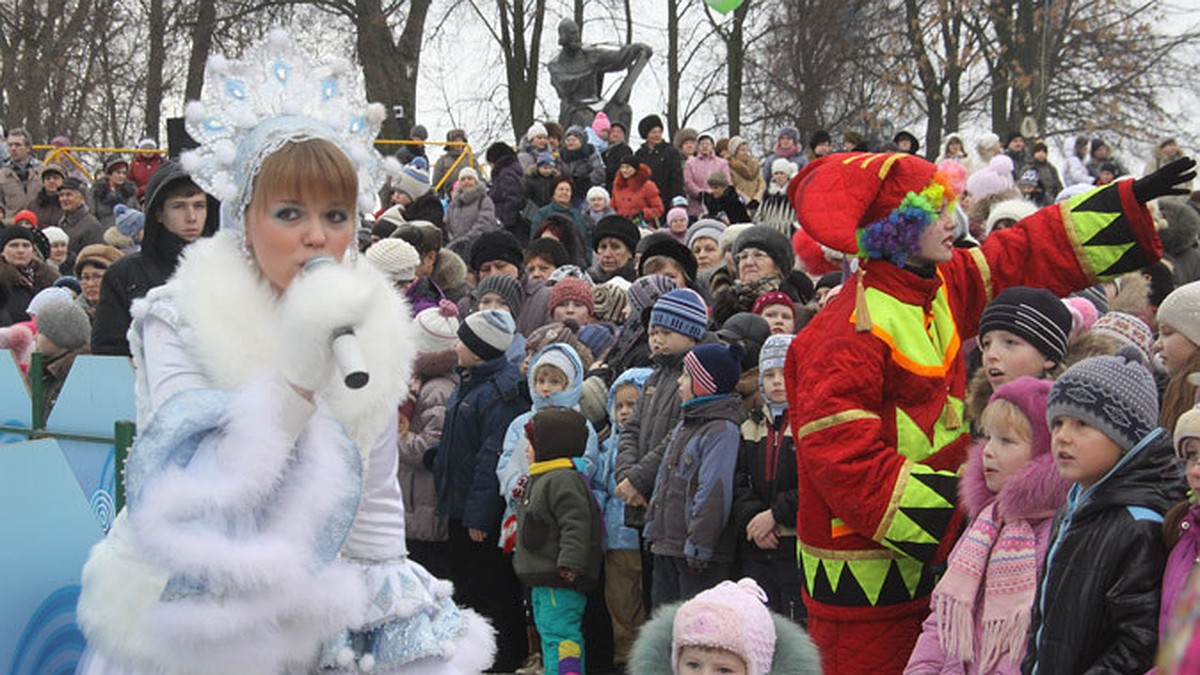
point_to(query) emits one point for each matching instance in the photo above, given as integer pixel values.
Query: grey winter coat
(421, 521)
(17, 194)
(471, 213)
(82, 227)
(693, 493)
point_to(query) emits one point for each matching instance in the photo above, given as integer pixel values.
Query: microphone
(347, 353)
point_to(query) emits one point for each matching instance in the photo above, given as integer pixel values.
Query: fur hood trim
(795, 654)
(1033, 493)
(435, 364)
(231, 320)
(43, 275)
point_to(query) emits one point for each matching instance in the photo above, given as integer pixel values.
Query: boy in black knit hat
(559, 552)
(1097, 604)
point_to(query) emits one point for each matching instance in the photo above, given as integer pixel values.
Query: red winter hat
(838, 194)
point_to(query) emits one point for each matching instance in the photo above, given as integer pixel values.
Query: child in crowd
(598, 205)
(704, 239)
(421, 419)
(464, 469)
(558, 552)
(727, 629)
(1097, 604)
(63, 332)
(1176, 347)
(503, 293)
(687, 524)
(622, 561)
(632, 349)
(677, 323)
(764, 490)
(571, 298)
(778, 310)
(1181, 530)
(1011, 488)
(677, 223)
(1022, 333)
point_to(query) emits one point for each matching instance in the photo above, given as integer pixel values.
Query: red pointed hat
(837, 194)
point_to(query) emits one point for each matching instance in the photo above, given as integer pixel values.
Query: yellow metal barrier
(469, 154)
(57, 155)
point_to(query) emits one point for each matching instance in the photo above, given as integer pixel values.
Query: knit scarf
(1003, 556)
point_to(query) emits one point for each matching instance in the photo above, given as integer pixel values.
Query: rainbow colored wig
(896, 238)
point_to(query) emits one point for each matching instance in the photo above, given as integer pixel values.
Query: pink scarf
(1003, 556)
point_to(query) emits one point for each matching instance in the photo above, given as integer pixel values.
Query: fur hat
(1181, 311)
(437, 328)
(819, 137)
(769, 241)
(649, 123)
(1114, 394)
(497, 151)
(789, 132)
(100, 255)
(883, 201)
(556, 433)
(717, 178)
(547, 248)
(646, 290)
(496, 245)
(665, 245)
(714, 368)
(65, 324)
(536, 129)
(488, 333)
(506, 287)
(1187, 426)
(993, 178)
(600, 123)
(681, 310)
(396, 258)
(572, 289)
(56, 235)
(782, 165)
(609, 303)
(730, 616)
(684, 135)
(1011, 209)
(1126, 329)
(413, 179)
(619, 228)
(1033, 314)
(598, 191)
(705, 227)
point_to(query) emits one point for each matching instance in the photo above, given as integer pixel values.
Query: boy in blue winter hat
(1098, 600)
(687, 523)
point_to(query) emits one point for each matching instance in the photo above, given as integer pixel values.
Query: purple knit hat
(1029, 394)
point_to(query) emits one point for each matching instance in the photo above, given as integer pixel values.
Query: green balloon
(724, 6)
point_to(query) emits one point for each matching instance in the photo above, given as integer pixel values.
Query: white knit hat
(1013, 209)
(1181, 311)
(536, 129)
(782, 165)
(468, 171)
(394, 257)
(437, 328)
(56, 235)
(47, 297)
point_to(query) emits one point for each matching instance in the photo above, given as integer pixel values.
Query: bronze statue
(577, 73)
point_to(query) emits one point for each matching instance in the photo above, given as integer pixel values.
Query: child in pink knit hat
(725, 629)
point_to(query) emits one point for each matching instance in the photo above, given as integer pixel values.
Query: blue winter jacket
(617, 535)
(478, 413)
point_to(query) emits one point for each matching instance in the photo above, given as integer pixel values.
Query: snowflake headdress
(277, 94)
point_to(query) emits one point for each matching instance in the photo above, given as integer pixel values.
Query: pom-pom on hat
(506, 287)
(65, 324)
(600, 123)
(994, 178)
(714, 368)
(730, 616)
(396, 258)
(1114, 394)
(1083, 314)
(681, 310)
(488, 333)
(1033, 314)
(437, 328)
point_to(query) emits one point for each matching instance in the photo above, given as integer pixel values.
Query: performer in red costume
(876, 381)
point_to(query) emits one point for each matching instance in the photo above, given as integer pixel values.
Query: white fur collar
(229, 317)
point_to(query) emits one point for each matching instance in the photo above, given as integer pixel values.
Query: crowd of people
(674, 409)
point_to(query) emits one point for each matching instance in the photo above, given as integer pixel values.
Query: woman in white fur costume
(264, 532)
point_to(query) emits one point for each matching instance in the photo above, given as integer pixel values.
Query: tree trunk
(521, 66)
(735, 67)
(578, 15)
(202, 39)
(673, 74)
(154, 69)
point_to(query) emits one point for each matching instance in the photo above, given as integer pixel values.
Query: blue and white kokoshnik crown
(276, 94)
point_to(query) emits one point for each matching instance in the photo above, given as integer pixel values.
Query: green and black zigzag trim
(1105, 233)
(924, 513)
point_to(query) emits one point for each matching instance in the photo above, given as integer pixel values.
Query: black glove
(1162, 182)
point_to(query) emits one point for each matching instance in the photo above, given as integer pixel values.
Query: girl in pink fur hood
(980, 615)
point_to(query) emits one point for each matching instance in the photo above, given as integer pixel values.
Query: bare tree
(517, 19)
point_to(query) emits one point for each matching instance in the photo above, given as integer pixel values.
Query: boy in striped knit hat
(688, 526)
